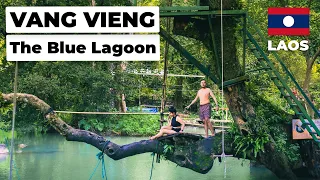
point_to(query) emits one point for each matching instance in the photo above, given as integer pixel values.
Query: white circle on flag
(288, 21)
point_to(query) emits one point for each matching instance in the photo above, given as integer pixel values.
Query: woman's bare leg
(163, 131)
(166, 127)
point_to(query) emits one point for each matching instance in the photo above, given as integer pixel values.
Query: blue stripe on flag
(276, 21)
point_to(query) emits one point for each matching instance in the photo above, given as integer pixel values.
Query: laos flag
(288, 21)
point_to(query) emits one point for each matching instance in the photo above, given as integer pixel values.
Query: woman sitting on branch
(176, 124)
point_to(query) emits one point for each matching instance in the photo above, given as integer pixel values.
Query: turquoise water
(51, 157)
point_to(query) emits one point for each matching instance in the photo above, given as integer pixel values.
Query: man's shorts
(205, 111)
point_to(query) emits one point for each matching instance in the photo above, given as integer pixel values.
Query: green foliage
(291, 150)
(4, 126)
(168, 149)
(91, 124)
(149, 3)
(84, 124)
(136, 125)
(6, 135)
(269, 107)
(250, 144)
(67, 117)
(253, 142)
(132, 125)
(270, 121)
(296, 61)
(5, 108)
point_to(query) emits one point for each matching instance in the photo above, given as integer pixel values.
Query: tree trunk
(309, 166)
(242, 108)
(123, 104)
(306, 84)
(307, 78)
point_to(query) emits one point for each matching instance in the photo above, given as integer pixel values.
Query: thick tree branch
(310, 63)
(190, 151)
(316, 55)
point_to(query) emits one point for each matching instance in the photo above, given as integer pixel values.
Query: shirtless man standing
(205, 107)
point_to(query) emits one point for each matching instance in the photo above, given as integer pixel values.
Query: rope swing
(100, 157)
(223, 155)
(13, 118)
(152, 164)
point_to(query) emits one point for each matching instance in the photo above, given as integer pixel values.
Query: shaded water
(50, 157)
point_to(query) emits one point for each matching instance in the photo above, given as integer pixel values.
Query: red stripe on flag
(289, 31)
(289, 11)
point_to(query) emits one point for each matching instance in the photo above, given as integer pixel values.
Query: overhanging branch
(190, 151)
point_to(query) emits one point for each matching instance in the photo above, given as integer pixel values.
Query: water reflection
(52, 157)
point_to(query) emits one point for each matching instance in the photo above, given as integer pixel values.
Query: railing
(252, 24)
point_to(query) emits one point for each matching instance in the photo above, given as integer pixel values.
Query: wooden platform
(201, 125)
(212, 120)
(198, 123)
(189, 133)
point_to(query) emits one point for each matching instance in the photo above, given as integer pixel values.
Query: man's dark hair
(172, 109)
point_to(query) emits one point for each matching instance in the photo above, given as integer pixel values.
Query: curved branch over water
(189, 151)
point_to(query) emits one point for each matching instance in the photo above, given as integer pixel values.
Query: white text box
(79, 19)
(83, 47)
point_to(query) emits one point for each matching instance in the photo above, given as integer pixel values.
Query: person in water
(176, 124)
(5, 150)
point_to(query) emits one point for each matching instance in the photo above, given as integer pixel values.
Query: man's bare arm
(213, 97)
(195, 99)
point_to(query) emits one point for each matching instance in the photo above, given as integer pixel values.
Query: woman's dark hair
(172, 109)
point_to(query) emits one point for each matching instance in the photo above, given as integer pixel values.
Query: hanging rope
(223, 154)
(14, 165)
(153, 154)
(100, 157)
(13, 118)
(106, 113)
(222, 77)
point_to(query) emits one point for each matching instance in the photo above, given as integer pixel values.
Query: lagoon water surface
(51, 157)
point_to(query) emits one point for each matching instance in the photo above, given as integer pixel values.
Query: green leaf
(87, 126)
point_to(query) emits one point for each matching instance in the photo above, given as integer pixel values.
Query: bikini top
(174, 122)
